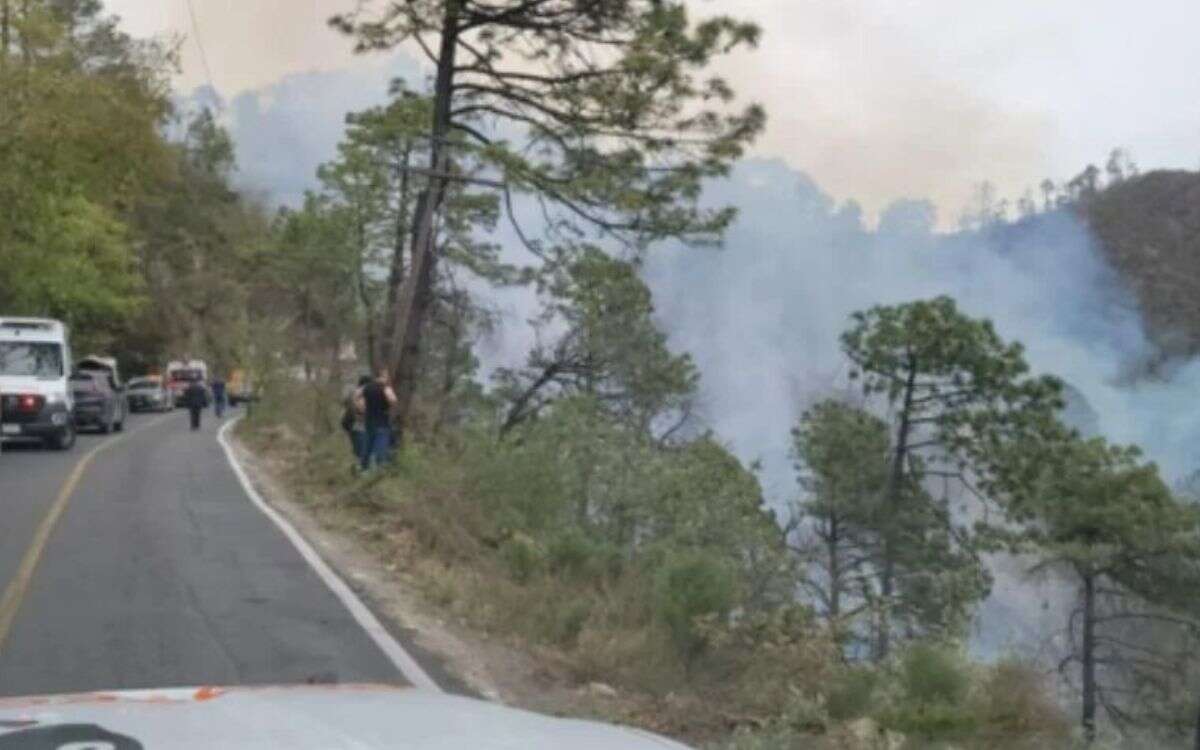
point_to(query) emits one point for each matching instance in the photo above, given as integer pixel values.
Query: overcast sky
(876, 99)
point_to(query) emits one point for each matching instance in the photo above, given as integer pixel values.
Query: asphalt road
(158, 571)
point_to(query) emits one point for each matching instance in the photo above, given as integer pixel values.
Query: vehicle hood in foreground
(363, 717)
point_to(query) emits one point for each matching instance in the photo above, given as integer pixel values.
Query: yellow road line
(10, 603)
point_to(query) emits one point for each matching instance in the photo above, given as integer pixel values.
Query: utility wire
(200, 45)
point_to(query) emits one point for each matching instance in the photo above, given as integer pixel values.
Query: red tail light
(28, 403)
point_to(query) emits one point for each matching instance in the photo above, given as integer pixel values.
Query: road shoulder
(456, 663)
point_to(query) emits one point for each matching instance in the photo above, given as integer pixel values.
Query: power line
(200, 46)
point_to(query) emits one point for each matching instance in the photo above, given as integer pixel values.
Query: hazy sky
(876, 99)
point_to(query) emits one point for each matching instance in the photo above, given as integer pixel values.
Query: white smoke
(762, 318)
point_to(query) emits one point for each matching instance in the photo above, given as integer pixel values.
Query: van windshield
(31, 359)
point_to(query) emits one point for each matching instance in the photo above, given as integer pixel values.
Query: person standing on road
(375, 401)
(354, 421)
(219, 396)
(195, 398)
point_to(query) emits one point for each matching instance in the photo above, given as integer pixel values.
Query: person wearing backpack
(353, 421)
(375, 401)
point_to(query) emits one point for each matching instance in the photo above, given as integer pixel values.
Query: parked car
(35, 393)
(96, 403)
(149, 394)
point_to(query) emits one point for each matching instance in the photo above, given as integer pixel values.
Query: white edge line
(408, 666)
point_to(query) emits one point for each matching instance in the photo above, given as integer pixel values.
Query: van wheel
(120, 426)
(64, 440)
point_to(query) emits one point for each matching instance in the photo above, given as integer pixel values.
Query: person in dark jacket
(375, 401)
(195, 398)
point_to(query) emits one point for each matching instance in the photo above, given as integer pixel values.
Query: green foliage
(620, 129)
(932, 690)
(564, 621)
(307, 281)
(137, 242)
(853, 693)
(581, 498)
(842, 454)
(614, 132)
(609, 347)
(960, 395)
(934, 674)
(1014, 709)
(80, 109)
(578, 556)
(372, 191)
(950, 371)
(688, 587)
(1098, 514)
(523, 556)
(77, 266)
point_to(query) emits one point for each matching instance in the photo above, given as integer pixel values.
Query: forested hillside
(1149, 229)
(118, 214)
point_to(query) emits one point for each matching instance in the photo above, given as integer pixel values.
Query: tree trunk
(364, 296)
(26, 47)
(449, 375)
(5, 33)
(1088, 658)
(417, 291)
(835, 581)
(392, 310)
(887, 583)
(407, 372)
(1196, 740)
(516, 412)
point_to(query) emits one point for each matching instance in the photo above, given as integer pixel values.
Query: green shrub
(931, 721)
(690, 586)
(852, 694)
(576, 555)
(935, 674)
(518, 485)
(932, 700)
(1014, 705)
(566, 619)
(523, 558)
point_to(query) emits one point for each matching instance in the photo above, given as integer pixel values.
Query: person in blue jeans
(219, 397)
(375, 401)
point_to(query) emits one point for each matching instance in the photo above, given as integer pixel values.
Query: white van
(35, 390)
(181, 374)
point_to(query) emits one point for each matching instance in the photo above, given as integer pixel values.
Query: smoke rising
(762, 316)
